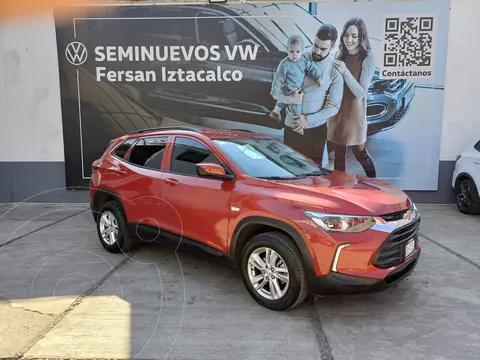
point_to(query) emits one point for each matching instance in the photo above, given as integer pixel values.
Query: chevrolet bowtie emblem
(408, 215)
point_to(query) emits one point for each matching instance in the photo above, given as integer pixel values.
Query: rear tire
(112, 229)
(466, 194)
(288, 279)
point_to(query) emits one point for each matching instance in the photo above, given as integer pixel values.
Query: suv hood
(343, 193)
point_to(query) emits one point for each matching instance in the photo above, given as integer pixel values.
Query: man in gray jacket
(308, 133)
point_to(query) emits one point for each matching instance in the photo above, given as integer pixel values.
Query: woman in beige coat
(348, 129)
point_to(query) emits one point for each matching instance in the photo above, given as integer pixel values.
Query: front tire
(273, 271)
(466, 194)
(112, 229)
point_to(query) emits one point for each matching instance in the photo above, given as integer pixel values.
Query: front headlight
(415, 208)
(342, 223)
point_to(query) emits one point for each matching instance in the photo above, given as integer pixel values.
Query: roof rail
(250, 131)
(160, 128)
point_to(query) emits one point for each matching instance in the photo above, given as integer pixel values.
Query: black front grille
(394, 216)
(392, 251)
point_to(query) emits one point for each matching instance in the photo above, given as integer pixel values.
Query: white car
(466, 180)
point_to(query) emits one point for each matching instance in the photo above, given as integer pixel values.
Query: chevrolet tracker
(290, 227)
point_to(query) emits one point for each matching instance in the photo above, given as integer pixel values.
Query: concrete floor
(63, 296)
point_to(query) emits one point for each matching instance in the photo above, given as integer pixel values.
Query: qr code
(408, 42)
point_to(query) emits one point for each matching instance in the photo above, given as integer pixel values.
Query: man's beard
(317, 58)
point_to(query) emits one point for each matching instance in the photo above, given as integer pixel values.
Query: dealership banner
(379, 85)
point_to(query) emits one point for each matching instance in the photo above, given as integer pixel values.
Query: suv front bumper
(337, 283)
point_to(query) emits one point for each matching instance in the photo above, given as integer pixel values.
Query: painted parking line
(38, 349)
(453, 252)
(41, 228)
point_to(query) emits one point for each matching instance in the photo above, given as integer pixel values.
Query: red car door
(197, 208)
(141, 189)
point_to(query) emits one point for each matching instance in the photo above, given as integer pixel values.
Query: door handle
(172, 182)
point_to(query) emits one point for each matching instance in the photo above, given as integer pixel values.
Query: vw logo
(76, 53)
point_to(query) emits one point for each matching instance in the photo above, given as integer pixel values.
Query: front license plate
(409, 248)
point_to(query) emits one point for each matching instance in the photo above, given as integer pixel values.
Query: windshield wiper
(277, 177)
(317, 173)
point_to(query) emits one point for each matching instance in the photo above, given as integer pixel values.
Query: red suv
(289, 226)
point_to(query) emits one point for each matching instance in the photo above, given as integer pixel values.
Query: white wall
(461, 118)
(30, 109)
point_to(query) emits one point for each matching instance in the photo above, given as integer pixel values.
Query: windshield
(268, 158)
(278, 21)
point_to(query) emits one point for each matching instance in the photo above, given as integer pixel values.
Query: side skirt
(152, 234)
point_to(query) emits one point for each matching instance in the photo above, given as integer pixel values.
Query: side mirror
(212, 170)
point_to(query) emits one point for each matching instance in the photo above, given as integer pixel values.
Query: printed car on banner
(246, 48)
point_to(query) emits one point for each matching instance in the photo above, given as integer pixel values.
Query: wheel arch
(254, 225)
(100, 197)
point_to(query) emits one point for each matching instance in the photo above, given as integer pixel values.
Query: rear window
(122, 149)
(477, 146)
(148, 152)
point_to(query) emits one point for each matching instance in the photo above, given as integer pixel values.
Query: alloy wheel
(268, 273)
(463, 197)
(109, 228)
